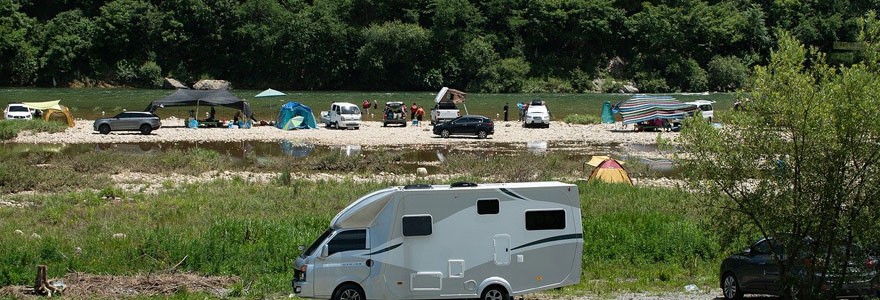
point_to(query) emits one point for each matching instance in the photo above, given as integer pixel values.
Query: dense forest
(476, 45)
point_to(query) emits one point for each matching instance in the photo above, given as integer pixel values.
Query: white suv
(537, 115)
(18, 111)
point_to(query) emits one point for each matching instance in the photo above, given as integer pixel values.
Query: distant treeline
(475, 45)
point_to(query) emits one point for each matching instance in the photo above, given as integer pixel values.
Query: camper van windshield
(317, 242)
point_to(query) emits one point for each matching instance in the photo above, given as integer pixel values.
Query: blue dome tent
(293, 115)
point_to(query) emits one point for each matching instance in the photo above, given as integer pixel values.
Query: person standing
(505, 111)
(375, 104)
(412, 111)
(366, 108)
(419, 113)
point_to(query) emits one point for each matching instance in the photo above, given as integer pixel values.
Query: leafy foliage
(800, 160)
(488, 46)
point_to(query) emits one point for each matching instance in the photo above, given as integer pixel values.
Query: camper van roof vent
(463, 184)
(417, 187)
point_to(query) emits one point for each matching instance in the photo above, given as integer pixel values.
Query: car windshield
(18, 108)
(706, 107)
(317, 242)
(350, 110)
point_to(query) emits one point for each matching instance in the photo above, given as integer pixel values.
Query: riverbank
(370, 134)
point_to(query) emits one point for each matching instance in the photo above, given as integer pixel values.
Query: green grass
(582, 119)
(89, 103)
(635, 238)
(9, 129)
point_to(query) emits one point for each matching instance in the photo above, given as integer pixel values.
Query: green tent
(295, 116)
(607, 115)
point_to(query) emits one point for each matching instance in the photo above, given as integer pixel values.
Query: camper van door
(347, 260)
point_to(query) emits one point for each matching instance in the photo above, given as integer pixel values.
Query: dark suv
(754, 271)
(466, 125)
(142, 121)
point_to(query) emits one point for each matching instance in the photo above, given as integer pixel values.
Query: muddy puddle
(428, 156)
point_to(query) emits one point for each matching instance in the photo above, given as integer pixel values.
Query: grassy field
(636, 239)
(90, 103)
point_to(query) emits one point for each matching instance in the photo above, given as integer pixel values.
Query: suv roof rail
(420, 186)
(462, 184)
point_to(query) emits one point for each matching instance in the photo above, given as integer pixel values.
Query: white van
(705, 107)
(342, 115)
(487, 241)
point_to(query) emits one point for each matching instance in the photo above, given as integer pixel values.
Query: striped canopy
(643, 108)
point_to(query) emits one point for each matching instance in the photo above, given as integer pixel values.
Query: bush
(582, 119)
(651, 83)
(508, 76)
(727, 73)
(150, 74)
(9, 129)
(548, 85)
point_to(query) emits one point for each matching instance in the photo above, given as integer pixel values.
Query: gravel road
(370, 134)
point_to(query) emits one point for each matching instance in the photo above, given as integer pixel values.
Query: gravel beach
(370, 134)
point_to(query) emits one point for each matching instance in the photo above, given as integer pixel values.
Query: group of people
(416, 113)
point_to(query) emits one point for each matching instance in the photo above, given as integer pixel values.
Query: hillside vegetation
(480, 46)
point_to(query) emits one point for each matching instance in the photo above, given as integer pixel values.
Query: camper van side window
(347, 241)
(545, 219)
(417, 225)
(487, 207)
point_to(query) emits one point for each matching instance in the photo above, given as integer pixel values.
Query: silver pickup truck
(142, 121)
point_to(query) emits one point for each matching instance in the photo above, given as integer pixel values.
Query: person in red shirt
(419, 113)
(412, 111)
(366, 107)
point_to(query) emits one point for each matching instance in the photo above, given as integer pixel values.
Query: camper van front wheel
(349, 291)
(494, 293)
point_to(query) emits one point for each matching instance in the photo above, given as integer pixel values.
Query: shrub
(150, 74)
(582, 119)
(651, 82)
(9, 129)
(508, 75)
(727, 73)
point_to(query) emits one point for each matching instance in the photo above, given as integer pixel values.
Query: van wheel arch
(345, 285)
(504, 292)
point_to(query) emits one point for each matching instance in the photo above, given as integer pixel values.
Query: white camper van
(487, 241)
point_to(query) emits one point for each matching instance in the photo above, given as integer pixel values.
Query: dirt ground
(370, 133)
(81, 285)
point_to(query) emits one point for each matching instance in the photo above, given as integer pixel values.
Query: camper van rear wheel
(349, 292)
(494, 293)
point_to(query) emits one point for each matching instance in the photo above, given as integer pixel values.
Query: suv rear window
(446, 105)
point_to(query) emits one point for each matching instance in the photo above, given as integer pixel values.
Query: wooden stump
(41, 284)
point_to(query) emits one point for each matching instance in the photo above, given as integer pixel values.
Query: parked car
(342, 115)
(394, 114)
(537, 115)
(706, 108)
(445, 108)
(755, 271)
(142, 121)
(406, 242)
(17, 111)
(480, 126)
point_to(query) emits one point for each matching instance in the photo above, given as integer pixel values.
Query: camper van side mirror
(325, 251)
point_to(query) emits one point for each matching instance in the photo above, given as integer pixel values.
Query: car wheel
(327, 125)
(349, 292)
(104, 129)
(336, 124)
(494, 293)
(482, 134)
(146, 129)
(445, 133)
(730, 287)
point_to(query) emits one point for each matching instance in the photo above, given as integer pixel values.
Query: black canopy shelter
(203, 97)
